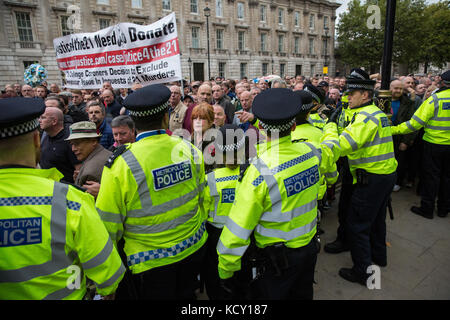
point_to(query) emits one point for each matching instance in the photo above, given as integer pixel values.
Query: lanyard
(149, 134)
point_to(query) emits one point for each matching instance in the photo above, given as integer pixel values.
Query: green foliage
(421, 34)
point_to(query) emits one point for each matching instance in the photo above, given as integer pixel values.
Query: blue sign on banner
(301, 181)
(171, 175)
(228, 195)
(20, 232)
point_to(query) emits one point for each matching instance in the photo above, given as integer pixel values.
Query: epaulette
(299, 140)
(116, 154)
(242, 170)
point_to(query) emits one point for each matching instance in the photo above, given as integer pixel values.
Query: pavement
(418, 251)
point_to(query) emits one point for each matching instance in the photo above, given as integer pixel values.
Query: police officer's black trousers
(366, 222)
(209, 271)
(344, 199)
(177, 281)
(295, 283)
(435, 177)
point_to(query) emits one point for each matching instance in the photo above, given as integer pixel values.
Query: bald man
(55, 151)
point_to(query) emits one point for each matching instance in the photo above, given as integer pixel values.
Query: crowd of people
(84, 132)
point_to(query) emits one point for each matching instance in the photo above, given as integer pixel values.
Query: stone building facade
(246, 37)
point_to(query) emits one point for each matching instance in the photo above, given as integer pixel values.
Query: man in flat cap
(367, 141)
(277, 201)
(434, 116)
(85, 142)
(48, 229)
(151, 200)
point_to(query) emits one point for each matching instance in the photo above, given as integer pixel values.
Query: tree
(421, 34)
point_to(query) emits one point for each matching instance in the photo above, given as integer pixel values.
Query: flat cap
(19, 116)
(306, 99)
(276, 108)
(316, 93)
(148, 101)
(359, 80)
(83, 130)
(322, 84)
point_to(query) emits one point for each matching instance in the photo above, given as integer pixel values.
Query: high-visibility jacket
(152, 196)
(312, 134)
(220, 194)
(434, 115)
(317, 120)
(277, 199)
(51, 239)
(367, 141)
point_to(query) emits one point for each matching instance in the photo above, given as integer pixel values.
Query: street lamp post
(190, 67)
(326, 49)
(207, 12)
(272, 65)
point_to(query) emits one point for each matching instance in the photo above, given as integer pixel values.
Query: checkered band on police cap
(233, 146)
(150, 112)
(280, 127)
(19, 129)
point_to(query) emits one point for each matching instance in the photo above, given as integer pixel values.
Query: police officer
(318, 98)
(231, 147)
(277, 202)
(51, 237)
(367, 141)
(151, 196)
(434, 116)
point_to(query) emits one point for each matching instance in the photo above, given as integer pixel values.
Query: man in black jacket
(402, 110)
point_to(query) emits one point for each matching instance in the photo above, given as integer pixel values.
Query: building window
(194, 6)
(24, 27)
(104, 2)
(262, 13)
(104, 23)
(166, 5)
(195, 39)
(241, 40)
(313, 69)
(219, 38)
(311, 46)
(282, 70)
(263, 41)
(280, 16)
(296, 44)
(222, 66)
(219, 8)
(297, 19)
(243, 70)
(265, 68)
(240, 10)
(136, 4)
(280, 43)
(65, 30)
(325, 22)
(311, 21)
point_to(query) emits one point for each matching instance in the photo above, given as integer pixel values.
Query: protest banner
(121, 54)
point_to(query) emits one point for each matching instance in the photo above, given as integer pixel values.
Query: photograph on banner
(122, 54)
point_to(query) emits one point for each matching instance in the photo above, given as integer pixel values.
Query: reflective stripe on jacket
(51, 239)
(434, 115)
(368, 142)
(277, 199)
(152, 196)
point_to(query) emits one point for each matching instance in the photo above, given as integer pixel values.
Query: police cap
(316, 93)
(148, 101)
(446, 77)
(230, 138)
(19, 116)
(359, 80)
(322, 84)
(276, 108)
(306, 99)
